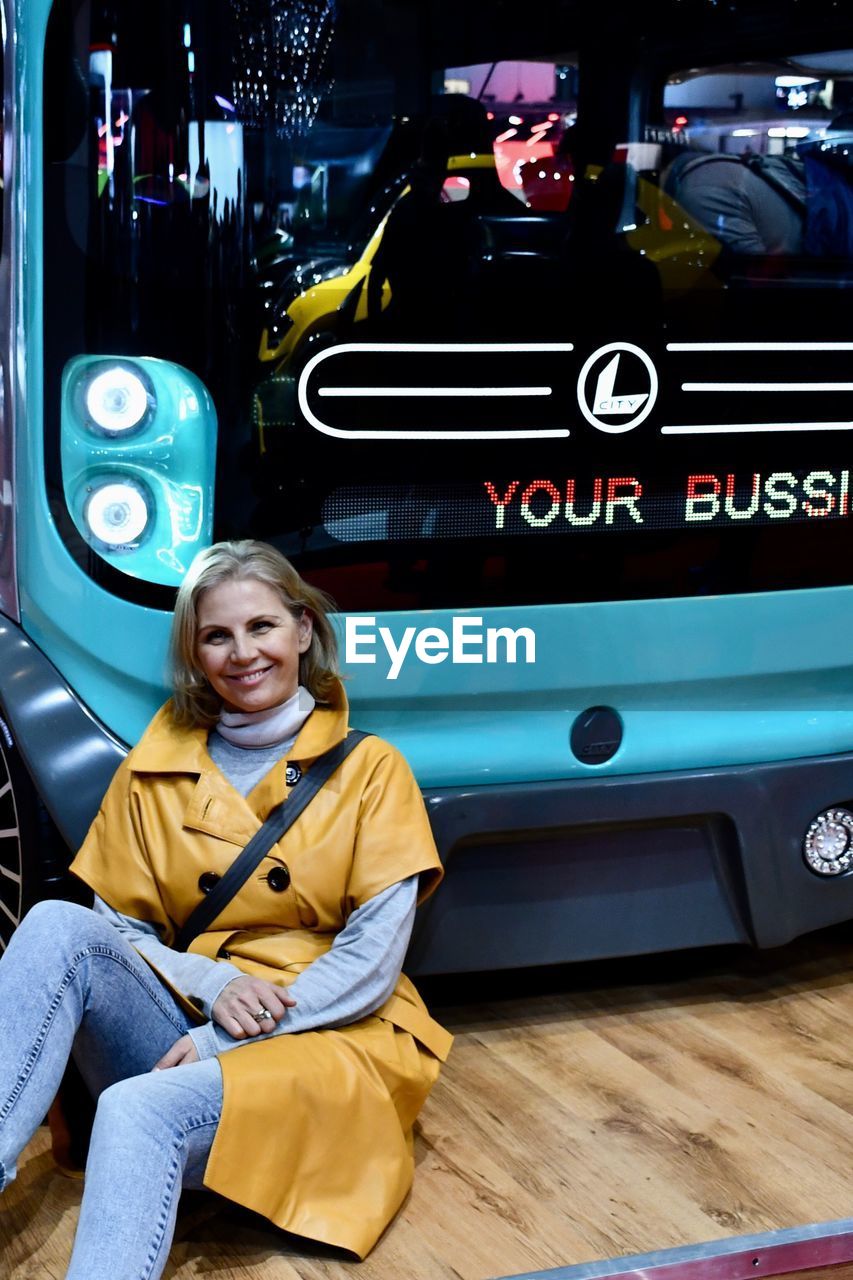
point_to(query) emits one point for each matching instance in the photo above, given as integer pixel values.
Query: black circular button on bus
(278, 879)
(596, 735)
(208, 881)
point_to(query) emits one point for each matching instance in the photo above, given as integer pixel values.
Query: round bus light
(828, 846)
(117, 513)
(117, 400)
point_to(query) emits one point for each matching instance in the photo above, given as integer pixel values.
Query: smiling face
(249, 644)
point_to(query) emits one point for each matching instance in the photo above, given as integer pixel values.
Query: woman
(193, 1057)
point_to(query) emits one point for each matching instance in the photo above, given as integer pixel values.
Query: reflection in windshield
(239, 187)
(765, 156)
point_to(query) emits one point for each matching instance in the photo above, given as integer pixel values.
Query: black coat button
(278, 879)
(209, 880)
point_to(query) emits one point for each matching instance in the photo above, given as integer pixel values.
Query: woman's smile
(249, 677)
(249, 643)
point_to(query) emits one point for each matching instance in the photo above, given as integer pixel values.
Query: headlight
(138, 452)
(118, 400)
(118, 512)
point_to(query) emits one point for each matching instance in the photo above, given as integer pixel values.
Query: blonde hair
(195, 702)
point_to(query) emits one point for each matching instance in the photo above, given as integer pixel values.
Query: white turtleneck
(272, 727)
(245, 745)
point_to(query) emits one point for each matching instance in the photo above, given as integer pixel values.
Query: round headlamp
(118, 400)
(117, 513)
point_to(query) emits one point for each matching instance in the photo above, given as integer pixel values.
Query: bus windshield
(439, 320)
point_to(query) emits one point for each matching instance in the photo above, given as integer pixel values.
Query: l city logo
(617, 387)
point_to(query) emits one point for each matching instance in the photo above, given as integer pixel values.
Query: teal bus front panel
(697, 682)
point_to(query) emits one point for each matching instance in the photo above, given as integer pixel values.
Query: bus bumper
(552, 872)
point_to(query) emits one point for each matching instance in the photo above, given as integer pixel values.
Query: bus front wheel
(33, 856)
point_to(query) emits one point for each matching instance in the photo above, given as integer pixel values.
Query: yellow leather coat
(316, 1128)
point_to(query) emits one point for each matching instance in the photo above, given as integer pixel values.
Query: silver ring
(261, 1014)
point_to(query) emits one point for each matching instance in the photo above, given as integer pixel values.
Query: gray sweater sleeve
(353, 979)
(199, 979)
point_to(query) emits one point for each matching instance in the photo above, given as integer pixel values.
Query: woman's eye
(262, 626)
(214, 637)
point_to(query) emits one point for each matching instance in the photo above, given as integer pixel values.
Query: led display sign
(554, 438)
(590, 504)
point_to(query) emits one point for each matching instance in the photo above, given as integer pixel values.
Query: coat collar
(167, 748)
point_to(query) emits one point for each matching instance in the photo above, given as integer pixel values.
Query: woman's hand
(181, 1052)
(242, 1000)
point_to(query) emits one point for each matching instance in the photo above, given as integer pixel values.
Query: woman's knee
(54, 924)
(159, 1110)
(124, 1108)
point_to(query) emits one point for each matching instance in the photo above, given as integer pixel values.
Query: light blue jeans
(70, 983)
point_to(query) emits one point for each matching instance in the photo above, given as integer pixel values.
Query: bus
(527, 339)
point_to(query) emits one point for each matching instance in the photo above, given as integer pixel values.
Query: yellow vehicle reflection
(327, 302)
(329, 299)
(681, 248)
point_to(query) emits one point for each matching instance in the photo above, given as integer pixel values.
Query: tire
(33, 857)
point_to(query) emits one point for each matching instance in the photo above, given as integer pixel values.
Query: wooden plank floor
(585, 1113)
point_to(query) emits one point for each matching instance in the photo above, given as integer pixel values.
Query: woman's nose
(242, 648)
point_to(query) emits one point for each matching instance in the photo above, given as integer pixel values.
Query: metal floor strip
(771, 1253)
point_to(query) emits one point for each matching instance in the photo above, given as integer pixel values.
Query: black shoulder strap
(280, 819)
